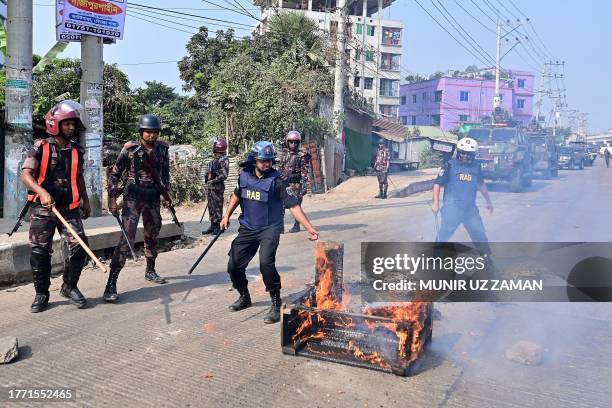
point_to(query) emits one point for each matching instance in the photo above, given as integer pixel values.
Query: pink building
(447, 102)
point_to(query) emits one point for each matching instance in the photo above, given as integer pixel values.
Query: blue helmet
(263, 151)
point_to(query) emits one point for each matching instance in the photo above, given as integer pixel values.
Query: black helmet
(150, 122)
(263, 150)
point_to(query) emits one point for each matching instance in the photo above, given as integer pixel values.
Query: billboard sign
(101, 18)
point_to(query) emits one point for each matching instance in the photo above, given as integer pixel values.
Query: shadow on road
(390, 203)
(23, 353)
(340, 227)
(501, 187)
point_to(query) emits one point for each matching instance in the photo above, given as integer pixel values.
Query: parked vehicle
(504, 154)
(590, 152)
(571, 157)
(545, 154)
(591, 155)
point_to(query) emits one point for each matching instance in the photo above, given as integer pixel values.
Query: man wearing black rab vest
(261, 195)
(53, 174)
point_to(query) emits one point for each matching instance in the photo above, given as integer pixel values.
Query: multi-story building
(374, 45)
(448, 101)
(3, 22)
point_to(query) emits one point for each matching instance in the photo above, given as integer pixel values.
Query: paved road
(177, 345)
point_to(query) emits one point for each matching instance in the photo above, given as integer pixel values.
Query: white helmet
(468, 145)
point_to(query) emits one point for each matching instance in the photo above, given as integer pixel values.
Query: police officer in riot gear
(462, 179)
(53, 174)
(261, 194)
(214, 179)
(141, 198)
(293, 167)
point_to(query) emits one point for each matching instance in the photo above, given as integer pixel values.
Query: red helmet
(64, 110)
(220, 146)
(294, 136)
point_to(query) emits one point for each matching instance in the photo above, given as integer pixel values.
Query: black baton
(210, 244)
(125, 236)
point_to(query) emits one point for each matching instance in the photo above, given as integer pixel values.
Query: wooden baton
(79, 240)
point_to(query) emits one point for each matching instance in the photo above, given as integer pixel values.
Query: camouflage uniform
(43, 222)
(294, 166)
(141, 196)
(381, 166)
(215, 177)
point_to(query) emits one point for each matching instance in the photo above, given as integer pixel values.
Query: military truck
(504, 154)
(590, 151)
(571, 157)
(545, 154)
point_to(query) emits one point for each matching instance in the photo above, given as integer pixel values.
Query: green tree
(298, 36)
(204, 54)
(155, 94)
(259, 88)
(413, 78)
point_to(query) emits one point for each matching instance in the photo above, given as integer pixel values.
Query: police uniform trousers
(454, 215)
(152, 222)
(243, 249)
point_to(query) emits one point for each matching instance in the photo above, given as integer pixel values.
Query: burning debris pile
(319, 324)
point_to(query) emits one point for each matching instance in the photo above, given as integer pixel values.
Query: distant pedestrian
(215, 177)
(381, 166)
(607, 157)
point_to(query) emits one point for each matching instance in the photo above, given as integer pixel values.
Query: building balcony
(389, 93)
(390, 67)
(392, 36)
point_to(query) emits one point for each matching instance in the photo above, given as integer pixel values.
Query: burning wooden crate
(318, 325)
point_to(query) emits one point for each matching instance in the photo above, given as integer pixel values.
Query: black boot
(380, 193)
(243, 301)
(150, 273)
(273, 314)
(216, 228)
(40, 262)
(384, 193)
(110, 292)
(210, 229)
(296, 227)
(72, 273)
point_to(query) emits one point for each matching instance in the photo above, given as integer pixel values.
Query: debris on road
(525, 352)
(8, 349)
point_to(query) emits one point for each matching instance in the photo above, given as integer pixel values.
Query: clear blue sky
(577, 32)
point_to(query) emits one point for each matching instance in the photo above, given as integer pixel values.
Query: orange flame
(407, 321)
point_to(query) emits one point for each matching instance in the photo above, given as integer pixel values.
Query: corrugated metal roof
(399, 133)
(390, 130)
(390, 136)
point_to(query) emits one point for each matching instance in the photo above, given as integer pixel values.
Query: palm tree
(297, 35)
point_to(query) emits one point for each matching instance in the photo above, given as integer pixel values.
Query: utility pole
(379, 37)
(339, 69)
(540, 94)
(364, 12)
(497, 97)
(555, 123)
(18, 137)
(92, 93)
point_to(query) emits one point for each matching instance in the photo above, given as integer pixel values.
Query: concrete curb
(15, 257)
(414, 188)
